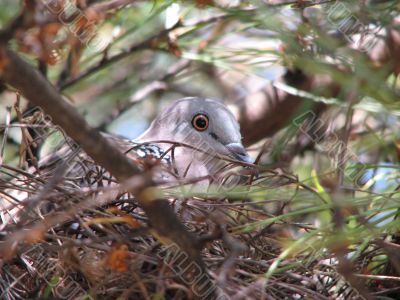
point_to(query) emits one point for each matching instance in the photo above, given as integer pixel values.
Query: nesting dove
(207, 131)
(190, 139)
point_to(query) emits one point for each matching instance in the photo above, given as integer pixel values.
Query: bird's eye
(200, 122)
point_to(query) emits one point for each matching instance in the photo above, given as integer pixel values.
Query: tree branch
(275, 108)
(40, 92)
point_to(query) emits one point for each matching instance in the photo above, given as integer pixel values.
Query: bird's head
(203, 124)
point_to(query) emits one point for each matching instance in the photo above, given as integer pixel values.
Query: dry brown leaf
(117, 258)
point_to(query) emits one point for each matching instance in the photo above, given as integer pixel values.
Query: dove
(192, 138)
(207, 131)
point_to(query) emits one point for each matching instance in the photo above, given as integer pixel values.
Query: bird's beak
(238, 152)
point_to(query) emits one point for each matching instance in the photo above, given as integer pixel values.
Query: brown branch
(7, 33)
(32, 85)
(21, 21)
(24, 20)
(264, 113)
(296, 3)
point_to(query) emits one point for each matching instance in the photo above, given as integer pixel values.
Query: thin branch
(146, 44)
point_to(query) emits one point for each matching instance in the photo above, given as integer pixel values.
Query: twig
(378, 277)
(5, 135)
(148, 43)
(26, 143)
(111, 5)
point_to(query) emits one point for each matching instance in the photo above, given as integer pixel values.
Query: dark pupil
(201, 122)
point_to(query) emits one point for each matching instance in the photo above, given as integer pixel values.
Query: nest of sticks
(75, 237)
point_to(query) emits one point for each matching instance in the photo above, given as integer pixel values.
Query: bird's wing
(78, 164)
(72, 169)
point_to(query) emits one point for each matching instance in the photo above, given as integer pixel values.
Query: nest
(74, 236)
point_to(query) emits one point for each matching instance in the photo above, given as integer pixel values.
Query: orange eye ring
(200, 122)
